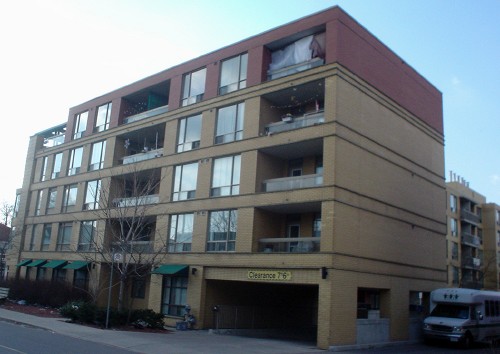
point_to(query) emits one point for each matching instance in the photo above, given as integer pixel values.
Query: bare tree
(6, 211)
(126, 240)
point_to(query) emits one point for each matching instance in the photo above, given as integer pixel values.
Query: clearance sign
(269, 275)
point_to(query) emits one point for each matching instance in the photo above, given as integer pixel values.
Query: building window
(86, 240)
(47, 232)
(454, 250)
(69, 198)
(455, 275)
(189, 133)
(498, 217)
(81, 279)
(222, 232)
(31, 246)
(40, 273)
(59, 275)
(43, 173)
(453, 203)
(75, 161)
(97, 155)
(174, 295)
(92, 194)
(230, 123)
(39, 197)
(181, 233)
(56, 171)
(194, 87)
(16, 205)
(80, 125)
(226, 176)
(185, 179)
(138, 290)
(233, 74)
(103, 118)
(317, 226)
(453, 227)
(51, 201)
(64, 237)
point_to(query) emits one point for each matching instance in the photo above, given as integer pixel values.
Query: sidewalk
(176, 342)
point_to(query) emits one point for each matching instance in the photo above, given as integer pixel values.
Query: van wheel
(468, 341)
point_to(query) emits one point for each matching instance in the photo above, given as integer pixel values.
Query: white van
(463, 315)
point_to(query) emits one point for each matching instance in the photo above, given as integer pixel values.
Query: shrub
(147, 318)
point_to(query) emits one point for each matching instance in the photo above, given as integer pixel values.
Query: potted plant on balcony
(287, 118)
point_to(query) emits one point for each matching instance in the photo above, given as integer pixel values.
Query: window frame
(241, 73)
(89, 236)
(97, 159)
(38, 204)
(92, 196)
(174, 296)
(81, 120)
(216, 243)
(185, 130)
(43, 172)
(218, 189)
(180, 177)
(107, 118)
(57, 165)
(188, 96)
(178, 222)
(46, 237)
(73, 167)
(63, 237)
(70, 190)
(236, 119)
(51, 198)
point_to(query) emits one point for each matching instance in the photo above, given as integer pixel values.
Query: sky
(56, 54)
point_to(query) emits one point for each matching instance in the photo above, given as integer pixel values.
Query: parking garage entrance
(285, 311)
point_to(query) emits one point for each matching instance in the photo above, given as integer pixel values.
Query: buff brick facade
(317, 205)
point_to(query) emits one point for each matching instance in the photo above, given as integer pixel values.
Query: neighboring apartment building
(293, 180)
(473, 238)
(4, 247)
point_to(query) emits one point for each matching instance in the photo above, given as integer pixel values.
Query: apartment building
(292, 181)
(473, 238)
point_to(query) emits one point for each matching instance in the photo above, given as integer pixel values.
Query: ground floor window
(81, 279)
(59, 275)
(174, 295)
(40, 273)
(138, 288)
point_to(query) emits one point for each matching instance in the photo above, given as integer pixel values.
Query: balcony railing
(142, 156)
(471, 240)
(289, 183)
(470, 216)
(53, 140)
(132, 247)
(292, 123)
(292, 69)
(471, 262)
(135, 201)
(147, 114)
(290, 245)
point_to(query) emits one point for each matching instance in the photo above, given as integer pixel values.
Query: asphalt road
(21, 339)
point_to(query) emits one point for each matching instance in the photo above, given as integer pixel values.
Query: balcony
(290, 245)
(147, 114)
(469, 216)
(142, 156)
(53, 140)
(471, 240)
(471, 262)
(136, 201)
(291, 123)
(132, 247)
(290, 183)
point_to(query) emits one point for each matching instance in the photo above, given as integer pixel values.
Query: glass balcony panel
(291, 123)
(147, 155)
(53, 141)
(135, 201)
(289, 183)
(290, 245)
(148, 114)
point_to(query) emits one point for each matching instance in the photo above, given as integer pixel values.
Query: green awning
(55, 264)
(23, 263)
(171, 269)
(37, 263)
(76, 265)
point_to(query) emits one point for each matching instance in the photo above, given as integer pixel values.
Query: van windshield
(451, 311)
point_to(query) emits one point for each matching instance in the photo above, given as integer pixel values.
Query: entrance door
(293, 232)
